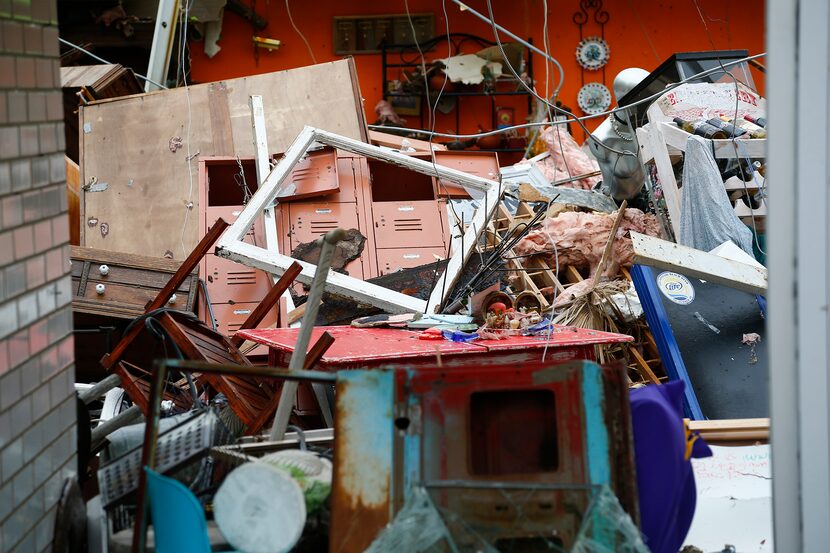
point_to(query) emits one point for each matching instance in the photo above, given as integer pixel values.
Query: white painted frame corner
(233, 246)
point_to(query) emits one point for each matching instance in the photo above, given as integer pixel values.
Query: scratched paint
(599, 469)
(363, 458)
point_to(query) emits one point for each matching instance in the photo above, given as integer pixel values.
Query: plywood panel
(130, 144)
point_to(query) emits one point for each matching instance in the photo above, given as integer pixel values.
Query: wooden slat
(269, 301)
(182, 273)
(644, 367)
(124, 259)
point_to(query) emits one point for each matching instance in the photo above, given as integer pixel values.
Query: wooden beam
(732, 430)
(268, 302)
(665, 170)
(317, 351)
(643, 365)
(175, 282)
(698, 264)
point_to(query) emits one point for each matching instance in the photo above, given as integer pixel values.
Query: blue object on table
(543, 326)
(658, 322)
(459, 336)
(178, 518)
(665, 480)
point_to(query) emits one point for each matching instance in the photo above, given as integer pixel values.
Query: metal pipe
(121, 420)
(100, 388)
(289, 389)
(465, 7)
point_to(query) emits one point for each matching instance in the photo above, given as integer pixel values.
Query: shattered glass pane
(607, 528)
(422, 526)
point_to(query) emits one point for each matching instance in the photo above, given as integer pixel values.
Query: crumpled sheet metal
(580, 238)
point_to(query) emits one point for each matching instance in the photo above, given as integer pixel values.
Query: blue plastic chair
(178, 518)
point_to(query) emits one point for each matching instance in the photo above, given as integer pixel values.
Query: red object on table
(361, 348)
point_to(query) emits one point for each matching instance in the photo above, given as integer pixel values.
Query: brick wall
(37, 407)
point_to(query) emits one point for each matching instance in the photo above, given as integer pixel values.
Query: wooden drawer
(130, 282)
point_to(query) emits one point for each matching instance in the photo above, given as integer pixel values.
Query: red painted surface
(641, 33)
(378, 345)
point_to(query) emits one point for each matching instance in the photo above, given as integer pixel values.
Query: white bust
(622, 175)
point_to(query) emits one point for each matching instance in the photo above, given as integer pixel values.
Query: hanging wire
(632, 6)
(239, 178)
(645, 100)
(182, 66)
(297, 30)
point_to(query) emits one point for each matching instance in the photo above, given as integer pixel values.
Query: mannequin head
(627, 79)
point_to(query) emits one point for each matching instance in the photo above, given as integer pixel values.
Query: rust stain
(360, 492)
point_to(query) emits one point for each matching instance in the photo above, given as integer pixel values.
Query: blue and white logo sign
(676, 287)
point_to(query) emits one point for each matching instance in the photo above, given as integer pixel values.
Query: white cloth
(707, 218)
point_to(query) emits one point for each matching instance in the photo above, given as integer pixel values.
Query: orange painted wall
(641, 33)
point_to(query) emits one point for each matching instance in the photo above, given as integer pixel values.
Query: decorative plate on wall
(592, 53)
(594, 98)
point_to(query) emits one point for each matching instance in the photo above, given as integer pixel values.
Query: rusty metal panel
(482, 426)
(313, 176)
(408, 224)
(481, 164)
(363, 459)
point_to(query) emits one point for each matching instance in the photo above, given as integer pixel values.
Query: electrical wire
(102, 60)
(557, 130)
(633, 8)
(705, 25)
(465, 7)
(738, 160)
(554, 107)
(433, 116)
(625, 108)
(183, 47)
(297, 30)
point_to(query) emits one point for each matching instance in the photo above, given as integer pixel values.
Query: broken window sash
(232, 245)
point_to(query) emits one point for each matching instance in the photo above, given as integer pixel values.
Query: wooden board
(126, 143)
(698, 264)
(73, 200)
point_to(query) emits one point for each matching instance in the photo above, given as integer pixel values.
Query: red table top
(365, 344)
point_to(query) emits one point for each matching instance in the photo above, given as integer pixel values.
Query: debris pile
(335, 334)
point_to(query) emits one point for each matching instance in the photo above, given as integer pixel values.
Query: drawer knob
(100, 289)
(172, 299)
(104, 270)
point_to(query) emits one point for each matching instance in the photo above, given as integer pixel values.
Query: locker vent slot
(322, 227)
(241, 277)
(408, 224)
